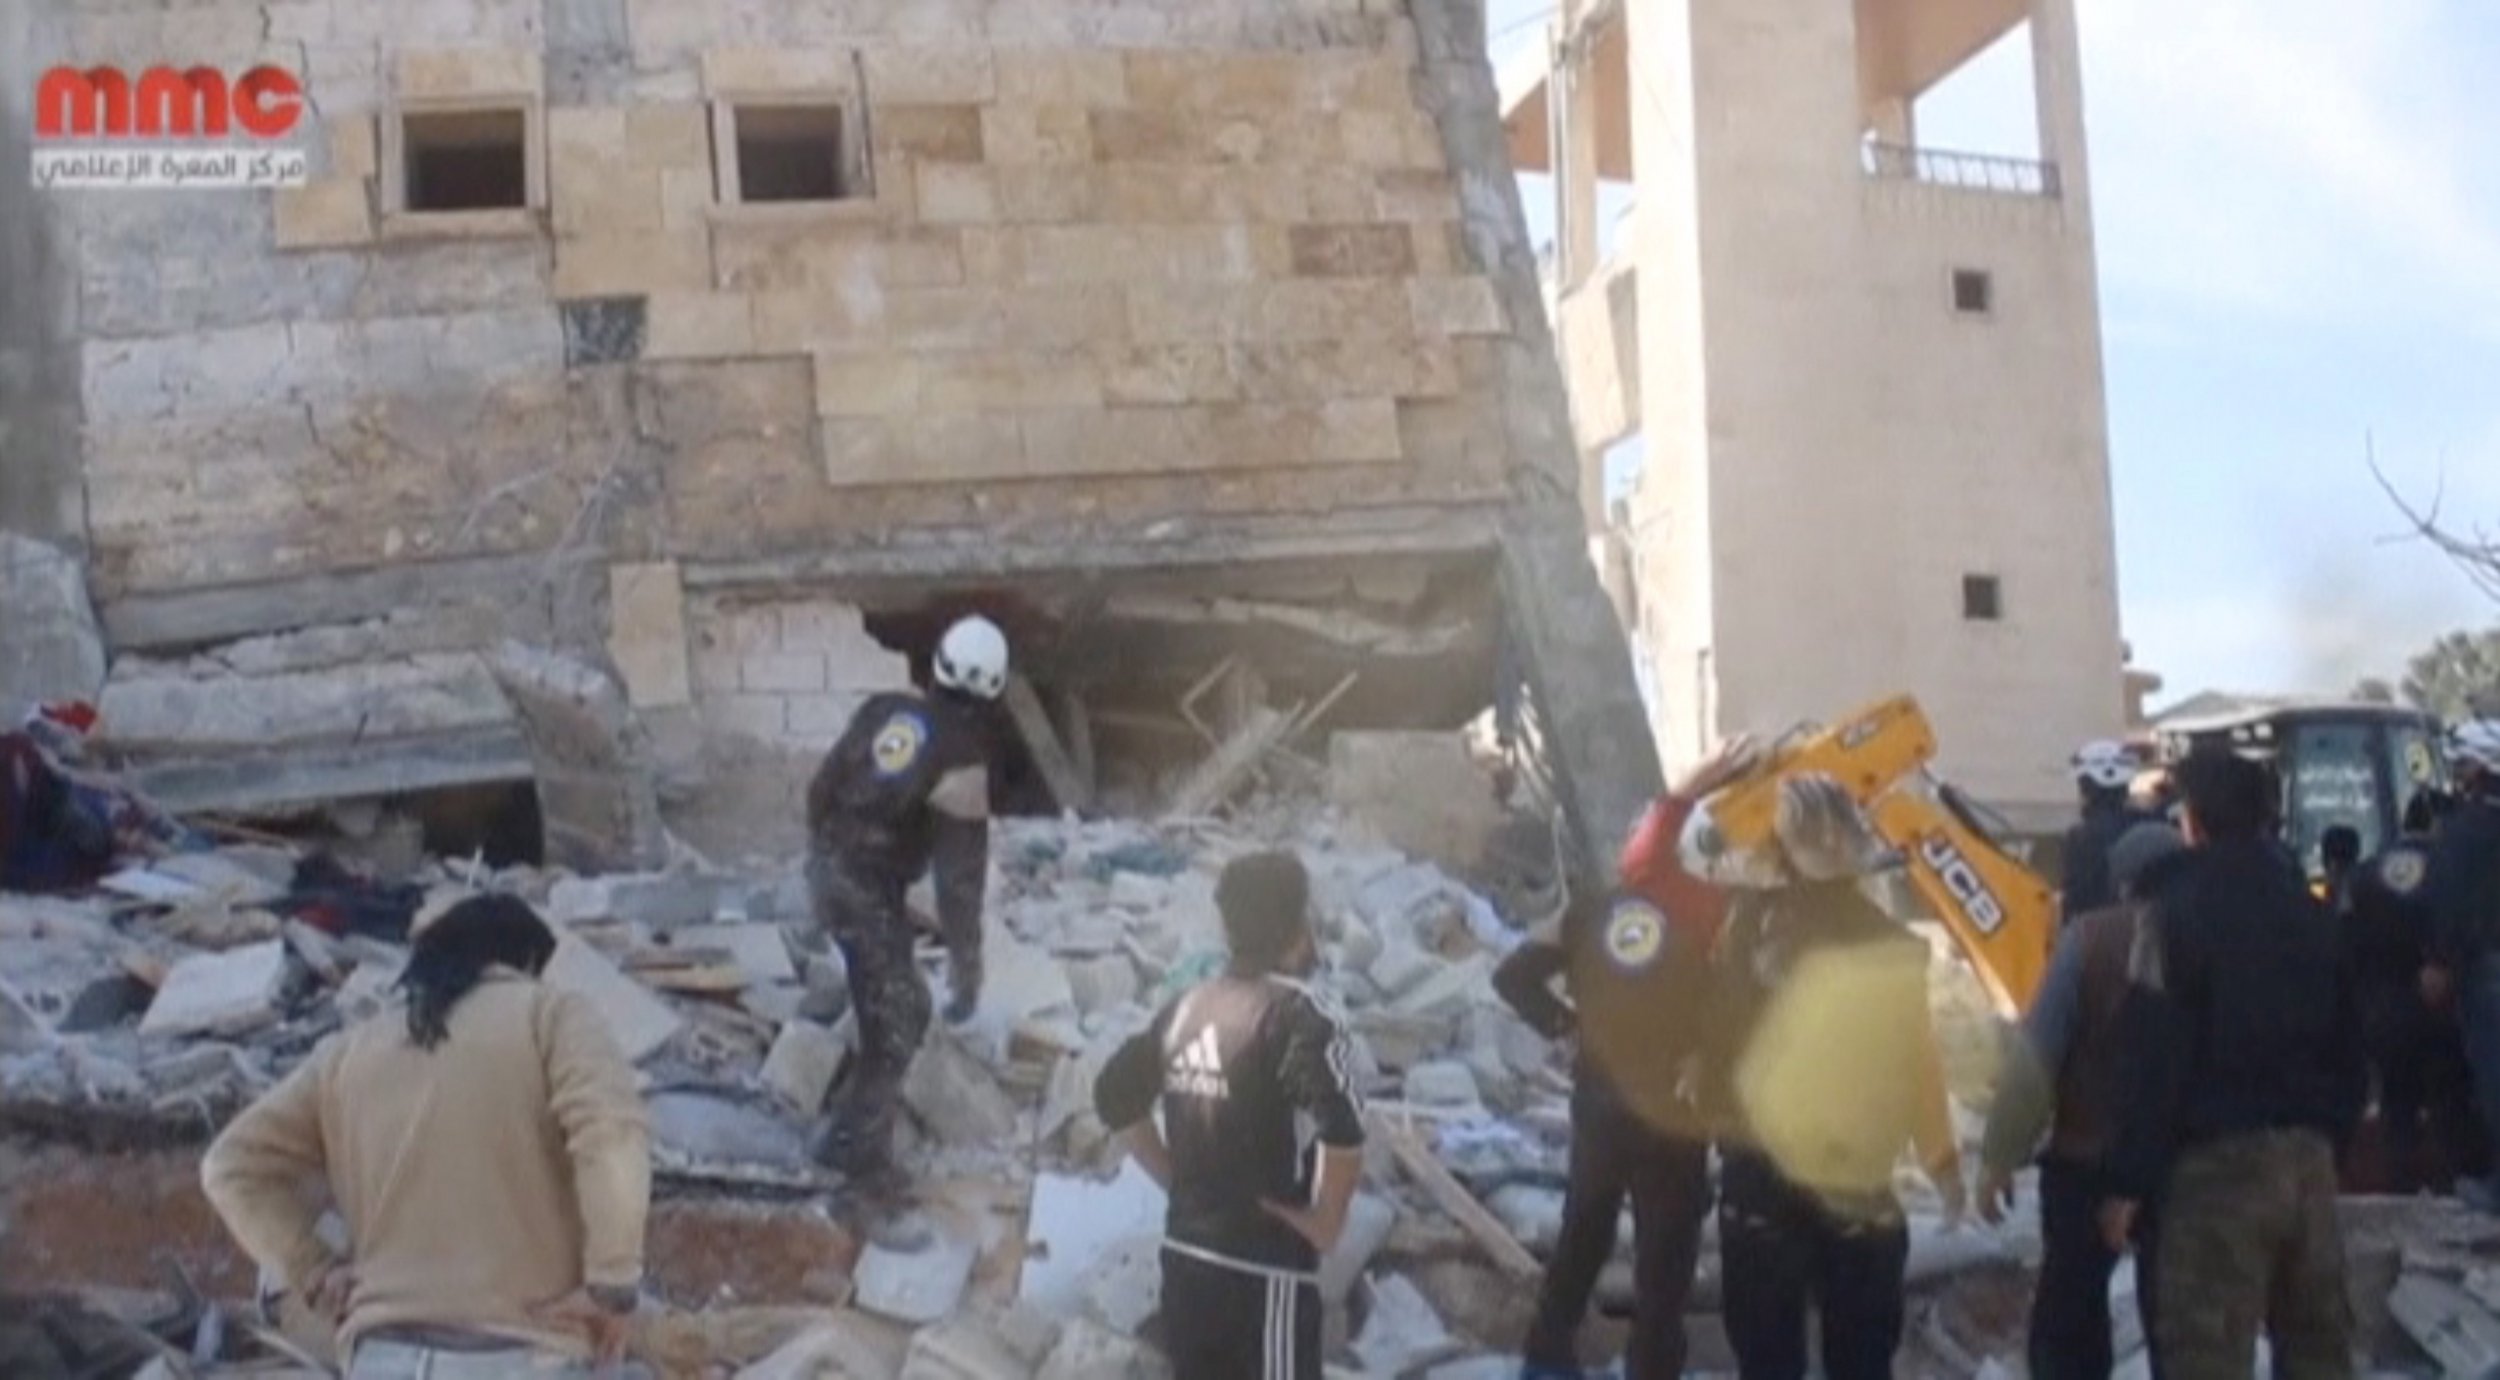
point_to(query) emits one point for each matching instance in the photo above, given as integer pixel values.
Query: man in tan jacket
(486, 1144)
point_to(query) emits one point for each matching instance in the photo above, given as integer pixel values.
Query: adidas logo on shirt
(1197, 1068)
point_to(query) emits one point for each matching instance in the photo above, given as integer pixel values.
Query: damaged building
(636, 385)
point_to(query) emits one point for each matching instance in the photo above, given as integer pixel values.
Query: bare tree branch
(2474, 549)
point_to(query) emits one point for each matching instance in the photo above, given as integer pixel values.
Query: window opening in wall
(1983, 599)
(1974, 292)
(790, 153)
(469, 160)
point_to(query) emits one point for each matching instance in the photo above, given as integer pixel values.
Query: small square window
(1983, 599)
(467, 160)
(790, 153)
(1974, 291)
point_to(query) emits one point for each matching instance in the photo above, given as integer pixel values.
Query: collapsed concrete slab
(50, 646)
(590, 756)
(199, 736)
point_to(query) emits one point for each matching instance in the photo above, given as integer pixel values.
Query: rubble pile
(149, 1012)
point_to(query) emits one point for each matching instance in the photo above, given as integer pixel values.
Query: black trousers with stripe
(1221, 1323)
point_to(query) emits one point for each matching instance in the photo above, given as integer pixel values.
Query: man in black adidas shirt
(1262, 1137)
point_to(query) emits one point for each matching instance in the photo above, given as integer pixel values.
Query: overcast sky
(2298, 207)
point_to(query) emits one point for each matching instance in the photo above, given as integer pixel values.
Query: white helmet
(2105, 764)
(1821, 830)
(972, 658)
(2476, 742)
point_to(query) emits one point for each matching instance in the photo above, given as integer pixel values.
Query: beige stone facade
(1866, 372)
(1192, 294)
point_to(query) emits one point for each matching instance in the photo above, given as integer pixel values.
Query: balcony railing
(1976, 172)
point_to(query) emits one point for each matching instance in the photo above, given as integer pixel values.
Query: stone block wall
(1103, 262)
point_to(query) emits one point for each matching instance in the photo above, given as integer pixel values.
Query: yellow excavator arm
(2000, 911)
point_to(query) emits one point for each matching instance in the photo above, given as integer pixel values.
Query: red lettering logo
(103, 103)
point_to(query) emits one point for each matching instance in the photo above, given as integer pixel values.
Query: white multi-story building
(1866, 373)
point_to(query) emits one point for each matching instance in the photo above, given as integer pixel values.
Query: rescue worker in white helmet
(904, 791)
(1825, 1068)
(2104, 770)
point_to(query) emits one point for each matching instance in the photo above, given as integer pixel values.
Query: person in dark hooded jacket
(2244, 1079)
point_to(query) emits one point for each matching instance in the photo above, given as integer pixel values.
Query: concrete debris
(1100, 984)
(917, 1278)
(1369, 1221)
(955, 1097)
(804, 1061)
(720, 1138)
(1402, 1332)
(1089, 1351)
(20, 1028)
(641, 1022)
(1442, 1083)
(1125, 1287)
(1074, 1225)
(50, 645)
(1422, 793)
(229, 993)
(759, 951)
(841, 1350)
(963, 1349)
(2445, 1321)
(1531, 1212)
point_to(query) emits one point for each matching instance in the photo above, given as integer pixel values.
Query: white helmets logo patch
(898, 744)
(1635, 934)
(2403, 872)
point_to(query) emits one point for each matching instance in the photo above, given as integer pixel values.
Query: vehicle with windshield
(2352, 764)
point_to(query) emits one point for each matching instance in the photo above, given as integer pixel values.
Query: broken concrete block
(1089, 1351)
(916, 1280)
(1101, 983)
(1531, 1212)
(1400, 968)
(804, 1061)
(762, 952)
(1402, 1332)
(1448, 992)
(1442, 1083)
(777, 1003)
(1029, 1333)
(1421, 793)
(50, 645)
(660, 900)
(955, 1097)
(1138, 892)
(1125, 1286)
(1081, 1221)
(853, 1346)
(640, 1021)
(220, 994)
(1369, 1220)
(2446, 1322)
(721, 1139)
(963, 1349)
(21, 1030)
